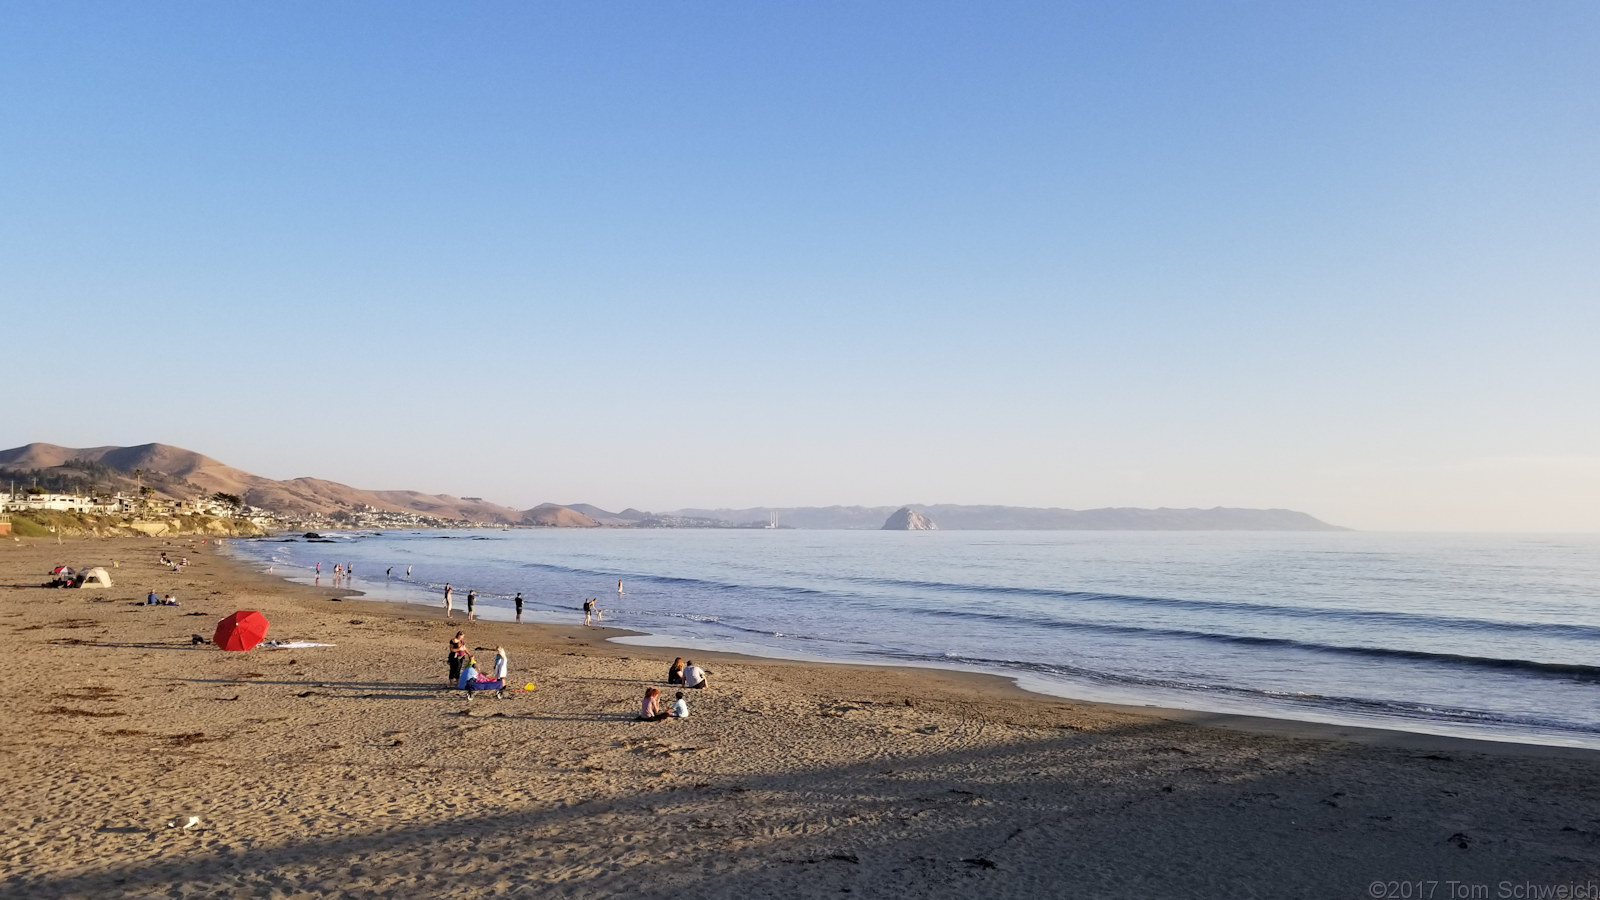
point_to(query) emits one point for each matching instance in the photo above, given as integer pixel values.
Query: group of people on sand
(154, 599)
(465, 676)
(464, 673)
(687, 674)
(683, 672)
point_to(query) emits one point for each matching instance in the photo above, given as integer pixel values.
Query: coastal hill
(178, 474)
(551, 515)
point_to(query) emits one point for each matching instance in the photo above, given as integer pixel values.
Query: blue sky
(1341, 257)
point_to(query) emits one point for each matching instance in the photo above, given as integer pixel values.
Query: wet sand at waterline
(350, 771)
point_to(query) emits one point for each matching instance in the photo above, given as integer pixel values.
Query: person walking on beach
(472, 601)
(518, 601)
(458, 655)
(588, 609)
(447, 606)
(319, 567)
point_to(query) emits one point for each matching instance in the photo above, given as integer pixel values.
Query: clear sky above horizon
(1336, 257)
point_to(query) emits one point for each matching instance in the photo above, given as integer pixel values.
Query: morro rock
(907, 519)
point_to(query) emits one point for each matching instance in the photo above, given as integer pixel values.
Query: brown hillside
(549, 514)
(295, 496)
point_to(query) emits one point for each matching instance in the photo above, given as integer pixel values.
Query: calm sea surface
(1476, 635)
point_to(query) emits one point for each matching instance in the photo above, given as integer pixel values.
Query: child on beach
(680, 708)
(501, 663)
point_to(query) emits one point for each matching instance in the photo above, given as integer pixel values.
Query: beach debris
(184, 822)
(1460, 839)
(981, 862)
(71, 711)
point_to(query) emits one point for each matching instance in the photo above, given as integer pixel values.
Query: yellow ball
(528, 686)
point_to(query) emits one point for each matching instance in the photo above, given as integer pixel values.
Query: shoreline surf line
(611, 640)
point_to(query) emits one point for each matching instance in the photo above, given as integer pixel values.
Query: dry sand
(350, 772)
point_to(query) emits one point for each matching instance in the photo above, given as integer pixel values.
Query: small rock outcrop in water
(907, 519)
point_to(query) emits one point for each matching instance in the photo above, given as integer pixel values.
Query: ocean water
(1488, 636)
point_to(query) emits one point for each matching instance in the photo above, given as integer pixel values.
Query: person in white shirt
(680, 707)
(693, 675)
(501, 663)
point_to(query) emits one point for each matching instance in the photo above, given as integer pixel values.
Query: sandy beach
(350, 771)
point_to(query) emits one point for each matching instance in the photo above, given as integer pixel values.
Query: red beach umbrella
(240, 631)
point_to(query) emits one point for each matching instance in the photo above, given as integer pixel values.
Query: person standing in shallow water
(472, 602)
(518, 601)
(588, 610)
(447, 606)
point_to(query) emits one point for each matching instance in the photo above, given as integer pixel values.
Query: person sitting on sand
(675, 674)
(501, 663)
(680, 708)
(469, 673)
(650, 710)
(170, 601)
(693, 676)
(153, 600)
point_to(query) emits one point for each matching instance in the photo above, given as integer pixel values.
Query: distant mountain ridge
(179, 473)
(954, 517)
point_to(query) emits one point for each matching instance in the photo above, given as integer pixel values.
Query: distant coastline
(140, 477)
